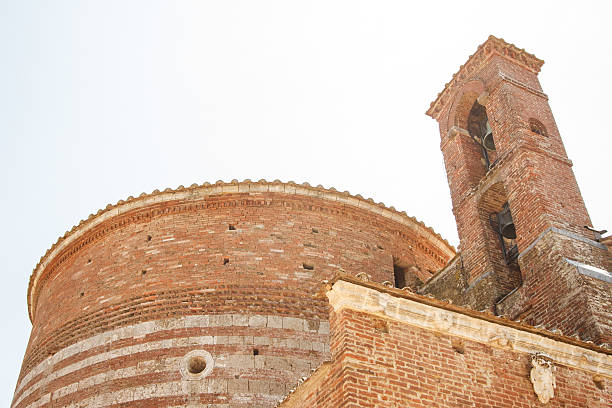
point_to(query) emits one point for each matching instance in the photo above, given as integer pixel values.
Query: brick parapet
(361, 298)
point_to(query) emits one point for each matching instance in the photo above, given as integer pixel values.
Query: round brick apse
(208, 295)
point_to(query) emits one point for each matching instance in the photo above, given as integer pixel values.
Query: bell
(506, 225)
(487, 139)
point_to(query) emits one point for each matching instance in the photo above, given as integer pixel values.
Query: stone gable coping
(196, 192)
(349, 293)
(492, 46)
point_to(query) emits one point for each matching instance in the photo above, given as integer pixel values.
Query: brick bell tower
(525, 248)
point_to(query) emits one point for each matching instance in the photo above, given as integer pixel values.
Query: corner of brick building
(391, 348)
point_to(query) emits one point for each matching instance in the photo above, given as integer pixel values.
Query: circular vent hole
(196, 365)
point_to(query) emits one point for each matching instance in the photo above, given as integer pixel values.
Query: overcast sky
(100, 100)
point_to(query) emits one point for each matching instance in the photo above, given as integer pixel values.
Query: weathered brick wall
(476, 191)
(381, 357)
(416, 368)
(448, 284)
(234, 270)
(559, 296)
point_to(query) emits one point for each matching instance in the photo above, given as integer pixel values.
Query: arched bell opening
(494, 206)
(503, 225)
(480, 130)
(462, 107)
(500, 235)
(459, 116)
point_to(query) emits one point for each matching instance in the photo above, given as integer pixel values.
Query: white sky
(100, 100)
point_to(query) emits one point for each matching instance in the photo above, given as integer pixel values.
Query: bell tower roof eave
(491, 47)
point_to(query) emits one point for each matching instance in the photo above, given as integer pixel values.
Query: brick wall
(119, 301)
(531, 172)
(384, 357)
(559, 296)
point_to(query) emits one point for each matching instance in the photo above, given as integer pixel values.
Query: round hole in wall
(196, 364)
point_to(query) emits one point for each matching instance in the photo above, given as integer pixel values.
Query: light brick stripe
(171, 364)
(144, 367)
(144, 392)
(142, 329)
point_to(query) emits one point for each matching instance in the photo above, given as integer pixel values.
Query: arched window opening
(537, 127)
(503, 225)
(406, 275)
(400, 275)
(480, 130)
(500, 238)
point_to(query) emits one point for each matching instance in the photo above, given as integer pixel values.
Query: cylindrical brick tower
(205, 296)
